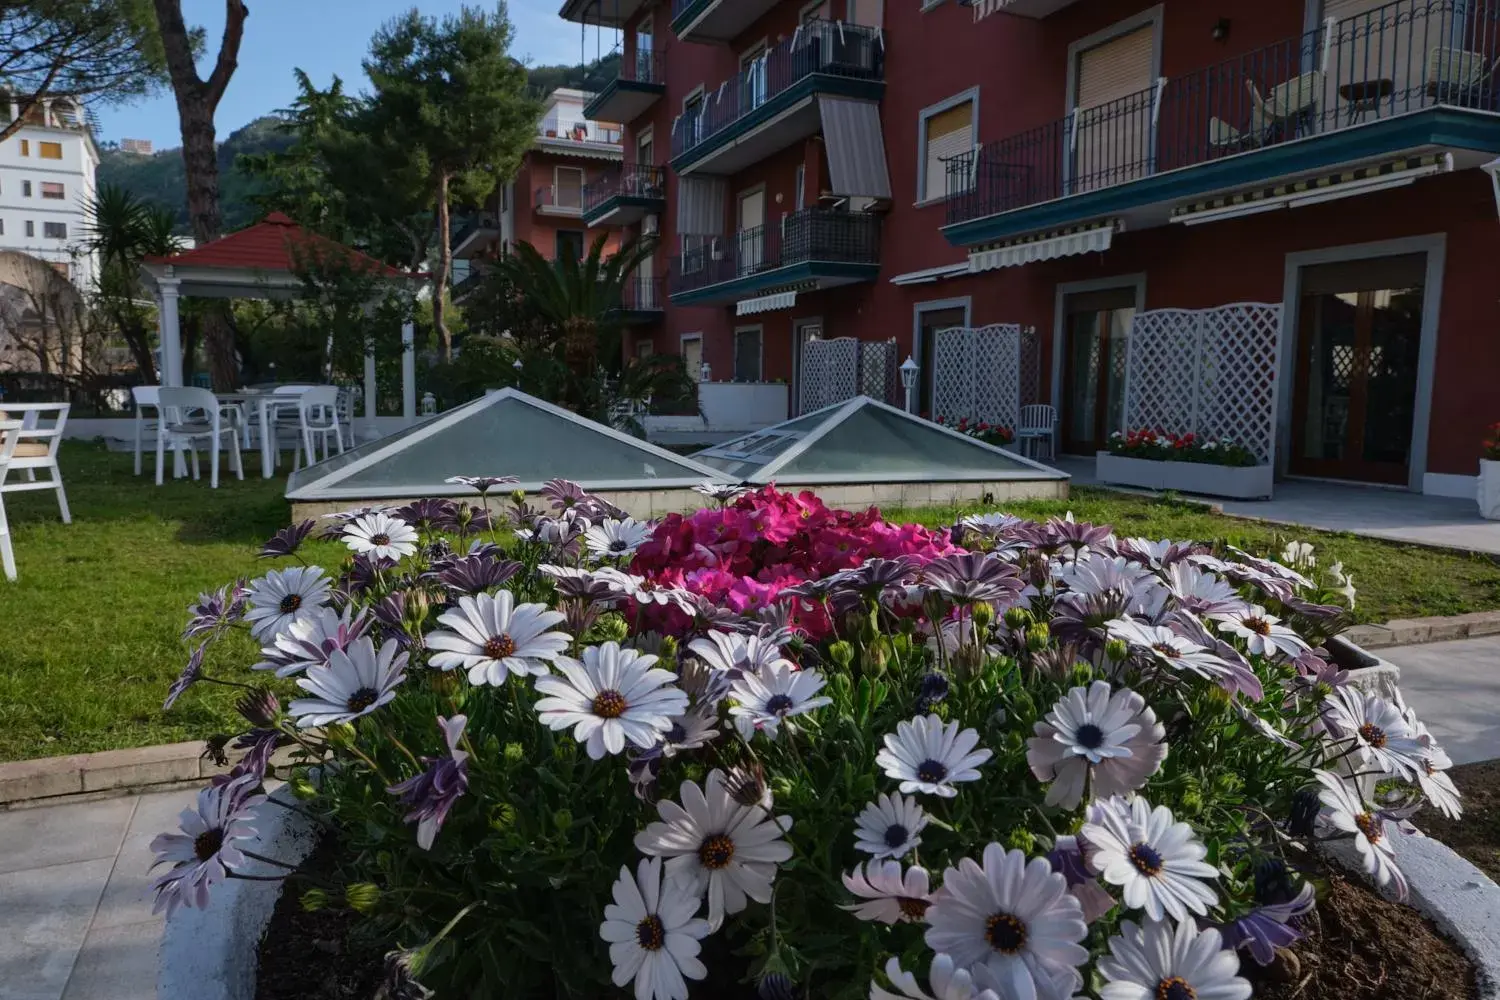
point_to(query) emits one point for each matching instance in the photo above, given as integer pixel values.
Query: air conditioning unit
(650, 225)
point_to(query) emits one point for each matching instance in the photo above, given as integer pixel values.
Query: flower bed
(1013, 760)
(1183, 462)
(997, 435)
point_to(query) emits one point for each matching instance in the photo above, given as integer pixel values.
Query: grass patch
(90, 632)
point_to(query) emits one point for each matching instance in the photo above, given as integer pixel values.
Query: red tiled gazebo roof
(274, 244)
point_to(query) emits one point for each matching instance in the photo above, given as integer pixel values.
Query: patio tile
(1454, 687)
(117, 963)
(127, 897)
(43, 923)
(56, 835)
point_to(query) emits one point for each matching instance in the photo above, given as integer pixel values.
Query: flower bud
(518, 497)
(302, 788)
(841, 653)
(1082, 675)
(259, 707)
(1117, 650)
(613, 628)
(875, 656)
(502, 817)
(563, 820)
(339, 734)
(984, 615)
(1304, 812)
(514, 753)
(968, 661)
(1227, 784)
(1017, 618)
(746, 784)
(445, 682)
(1024, 706)
(776, 986)
(669, 648)
(313, 900)
(1217, 697)
(1037, 637)
(1192, 802)
(362, 897)
(932, 691)
(1021, 839)
(901, 645)
(854, 623)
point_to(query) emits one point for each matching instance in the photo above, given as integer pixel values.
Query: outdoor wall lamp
(909, 369)
(1220, 30)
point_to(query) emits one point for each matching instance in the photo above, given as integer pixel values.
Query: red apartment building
(885, 170)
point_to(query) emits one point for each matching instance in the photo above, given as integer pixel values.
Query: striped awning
(1044, 246)
(1353, 179)
(765, 303)
(856, 147)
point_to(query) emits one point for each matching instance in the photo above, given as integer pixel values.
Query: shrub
(1021, 758)
(1163, 447)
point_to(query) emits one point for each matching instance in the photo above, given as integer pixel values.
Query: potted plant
(1190, 463)
(1489, 475)
(995, 435)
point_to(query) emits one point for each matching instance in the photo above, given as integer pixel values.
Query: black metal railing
(643, 66)
(847, 50)
(640, 294)
(812, 234)
(562, 199)
(578, 130)
(629, 181)
(1395, 59)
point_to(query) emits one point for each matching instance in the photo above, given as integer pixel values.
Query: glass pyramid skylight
(505, 433)
(863, 440)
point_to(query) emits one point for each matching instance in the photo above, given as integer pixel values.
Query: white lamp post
(909, 369)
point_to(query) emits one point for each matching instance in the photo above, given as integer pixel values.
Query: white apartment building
(47, 178)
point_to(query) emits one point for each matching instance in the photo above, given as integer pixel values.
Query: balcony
(610, 13)
(580, 137)
(774, 102)
(716, 20)
(641, 83)
(808, 250)
(1020, 8)
(643, 300)
(562, 201)
(477, 234)
(624, 197)
(465, 278)
(1407, 88)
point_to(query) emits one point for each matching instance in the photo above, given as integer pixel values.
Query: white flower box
(1489, 489)
(1239, 482)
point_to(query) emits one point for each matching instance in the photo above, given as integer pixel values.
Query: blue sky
(323, 37)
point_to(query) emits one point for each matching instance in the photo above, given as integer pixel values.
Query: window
(30, 228)
(53, 190)
(644, 349)
(870, 13)
(645, 148)
(1110, 93)
(55, 230)
(800, 198)
(947, 131)
(569, 187)
(25, 147)
(692, 118)
(25, 189)
(50, 150)
(692, 355)
(747, 355)
(569, 244)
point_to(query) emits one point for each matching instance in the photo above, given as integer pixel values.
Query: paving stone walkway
(1455, 689)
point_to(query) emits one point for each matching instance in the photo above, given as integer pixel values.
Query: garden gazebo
(261, 262)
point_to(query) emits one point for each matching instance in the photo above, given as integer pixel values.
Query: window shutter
(1340, 10)
(949, 133)
(1116, 69)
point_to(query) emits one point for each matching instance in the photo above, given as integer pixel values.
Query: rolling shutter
(949, 133)
(1113, 120)
(1116, 69)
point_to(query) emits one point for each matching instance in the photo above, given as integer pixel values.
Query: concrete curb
(84, 777)
(214, 953)
(1414, 631)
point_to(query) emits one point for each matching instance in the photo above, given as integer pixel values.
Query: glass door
(1358, 340)
(1096, 337)
(930, 321)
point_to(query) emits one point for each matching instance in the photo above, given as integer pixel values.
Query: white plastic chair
(346, 414)
(146, 398)
(318, 417)
(36, 450)
(285, 417)
(1037, 424)
(190, 415)
(10, 437)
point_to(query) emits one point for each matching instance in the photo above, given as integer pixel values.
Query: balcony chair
(1224, 138)
(36, 450)
(1293, 102)
(1458, 76)
(1037, 426)
(318, 417)
(190, 415)
(145, 398)
(10, 437)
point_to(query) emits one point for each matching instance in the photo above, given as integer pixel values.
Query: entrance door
(692, 357)
(804, 331)
(930, 321)
(1096, 334)
(752, 234)
(1358, 338)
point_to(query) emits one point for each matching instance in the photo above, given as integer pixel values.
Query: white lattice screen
(1211, 372)
(980, 373)
(830, 372)
(877, 369)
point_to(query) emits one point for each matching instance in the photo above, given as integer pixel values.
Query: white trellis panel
(1211, 372)
(877, 370)
(830, 372)
(978, 373)
(1031, 367)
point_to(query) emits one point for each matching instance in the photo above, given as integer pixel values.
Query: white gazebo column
(409, 372)
(171, 334)
(370, 383)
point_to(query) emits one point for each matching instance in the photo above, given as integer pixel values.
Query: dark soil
(316, 956)
(1360, 946)
(1477, 835)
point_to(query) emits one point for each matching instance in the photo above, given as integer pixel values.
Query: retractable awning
(856, 147)
(1044, 246)
(765, 303)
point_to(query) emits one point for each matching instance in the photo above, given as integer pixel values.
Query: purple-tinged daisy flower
(217, 611)
(353, 683)
(1112, 736)
(1266, 928)
(1162, 554)
(1066, 533)
(773, 695)
(191, 674)
(947, 981)
(563, 494)
(1203, 593)
(1067, 859)
(616, 539)
(482, 484)
(1313, 670)
(721, 493)
(477, 574)
(887, 893)
(427, 513)
(969, 577)
(653, 933)
(1157, 861)
(309, 640)
(1382, 734)
(1169, 649)
(930, 757)
(493, 638)
(380, 536)
(206, 850)
(286, 541)
(284, 596)
(612, 697)
(1344, 809)
(1160, 962)
(890, 827)
(431, 794)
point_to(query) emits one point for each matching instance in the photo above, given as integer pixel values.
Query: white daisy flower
(614, 695)
(929, 757)
(1113, 736)
(1264, 634)
(721, 492)
(1439, 790)
(308, 641)
(1381, 733)
(1345, 810)
(715, 844)
(1203, 593)
(610, 539)
(653, 934)
(206, 849)
(889, 896)
(1160, 962)
(493, 638)
(890, 827)
(733, 654)
(354, 682)
(381, 536)
(644, 591)
(1156, 861)
(1169, 649)
(284, 596)
(774, 694)
(691, 730)
(1299, 555)
(1014, 918)
(946, 980)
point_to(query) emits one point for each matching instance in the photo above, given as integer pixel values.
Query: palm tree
(124, 230)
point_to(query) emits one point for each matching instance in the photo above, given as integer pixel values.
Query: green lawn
(89, 636)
